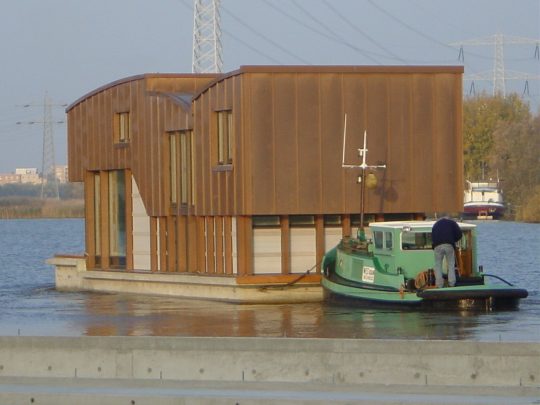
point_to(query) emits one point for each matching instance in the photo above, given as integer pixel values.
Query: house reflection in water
(131, 315)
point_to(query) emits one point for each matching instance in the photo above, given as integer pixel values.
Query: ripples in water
(31, 305)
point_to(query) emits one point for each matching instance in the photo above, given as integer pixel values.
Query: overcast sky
(70, 47)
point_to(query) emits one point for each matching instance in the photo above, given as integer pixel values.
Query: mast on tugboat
(362, 152)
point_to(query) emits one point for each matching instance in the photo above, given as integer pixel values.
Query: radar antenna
(362, 152)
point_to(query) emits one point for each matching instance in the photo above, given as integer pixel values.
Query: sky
(67, 48)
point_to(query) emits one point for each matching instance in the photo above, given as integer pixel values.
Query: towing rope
(499, 278)
(290, 283)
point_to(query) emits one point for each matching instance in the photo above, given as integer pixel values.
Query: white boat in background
(483, 200)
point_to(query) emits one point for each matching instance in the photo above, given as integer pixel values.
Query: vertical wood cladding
(288, 133)
(154, 107)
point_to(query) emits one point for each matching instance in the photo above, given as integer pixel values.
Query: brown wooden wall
(288, 131)
(153, 111)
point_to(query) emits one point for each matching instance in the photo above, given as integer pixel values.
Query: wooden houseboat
(231, 187)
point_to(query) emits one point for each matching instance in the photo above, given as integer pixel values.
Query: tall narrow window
(173, 166)
(121, 128)
(181, 167)
(224, 135)
(192, 161)
(185, 166)
(117, 218)
(97, 219)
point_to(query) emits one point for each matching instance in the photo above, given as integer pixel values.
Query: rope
(499, 278)
(290, 283)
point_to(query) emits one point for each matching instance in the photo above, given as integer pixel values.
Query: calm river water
(30, 305)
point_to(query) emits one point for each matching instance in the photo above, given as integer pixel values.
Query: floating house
(231, 186)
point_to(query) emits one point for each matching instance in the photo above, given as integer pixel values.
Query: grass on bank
(33, 207)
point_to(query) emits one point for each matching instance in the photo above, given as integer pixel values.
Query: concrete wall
(330, 361)
(71, 275)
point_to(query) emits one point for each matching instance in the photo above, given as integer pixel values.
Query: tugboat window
(415, 240)
(388, 240)
(378, 238)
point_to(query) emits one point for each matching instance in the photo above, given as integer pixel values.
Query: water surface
(31, 306)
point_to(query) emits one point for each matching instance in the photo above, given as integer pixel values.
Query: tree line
(501, 139)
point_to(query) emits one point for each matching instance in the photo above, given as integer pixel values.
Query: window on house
(185, 166)
(173, 167)
(266, 221)
(332, 221)
(301, 221)
(97, 218)
(117, 218)
(181, 166)
(121, 128)
(224, 134)
(192, 168)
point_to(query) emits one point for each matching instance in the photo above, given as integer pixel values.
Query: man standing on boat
(444, 235)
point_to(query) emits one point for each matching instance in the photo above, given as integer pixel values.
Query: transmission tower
(499, 75)
(48, 163)
(206, 37)
(48, 175)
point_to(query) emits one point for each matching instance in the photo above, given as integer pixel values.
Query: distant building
(28, 175)
(9, 178)
(61, 173)
(21, 175)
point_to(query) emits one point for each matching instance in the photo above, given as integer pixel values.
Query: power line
(264, 37)
(251, 47)
(409, 27)
(316, 20)
(361, 32)
(332, 34)
(332, 37)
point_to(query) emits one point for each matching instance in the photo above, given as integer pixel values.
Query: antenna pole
(362, 179)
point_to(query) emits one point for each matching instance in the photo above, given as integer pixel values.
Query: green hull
(386, 273)
(486, 296)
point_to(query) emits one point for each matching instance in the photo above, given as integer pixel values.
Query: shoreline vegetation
(24, 201)
(33, 208)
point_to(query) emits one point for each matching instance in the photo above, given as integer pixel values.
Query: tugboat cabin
(405, 247)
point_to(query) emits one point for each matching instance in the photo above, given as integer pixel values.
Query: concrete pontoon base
(71, 275)
(182, 370)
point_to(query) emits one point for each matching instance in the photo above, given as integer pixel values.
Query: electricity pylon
(206, 37)
(499, 75)
(48, 163)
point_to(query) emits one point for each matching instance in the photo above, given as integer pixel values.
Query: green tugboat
(392, 264)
